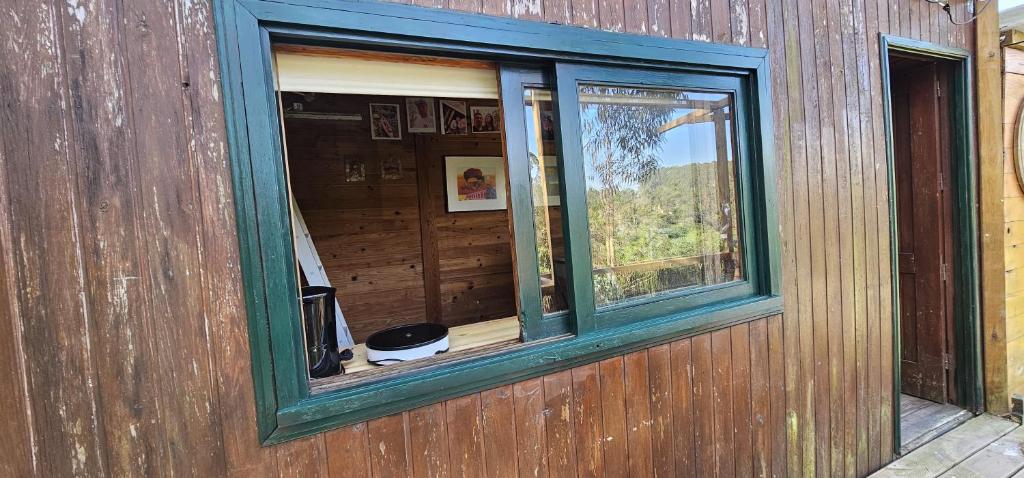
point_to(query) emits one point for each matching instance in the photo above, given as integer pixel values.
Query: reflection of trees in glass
(539, 221)
(641, 211)
(622, 141)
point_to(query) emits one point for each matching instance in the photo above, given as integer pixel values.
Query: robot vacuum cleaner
(406, 342)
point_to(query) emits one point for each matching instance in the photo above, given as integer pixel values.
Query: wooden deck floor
(984, 446)
(921, 421)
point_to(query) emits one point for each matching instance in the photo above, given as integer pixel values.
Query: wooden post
(990, 198)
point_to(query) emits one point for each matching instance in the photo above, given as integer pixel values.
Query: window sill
(374, 398)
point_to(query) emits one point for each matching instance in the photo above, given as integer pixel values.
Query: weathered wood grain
(117, 227)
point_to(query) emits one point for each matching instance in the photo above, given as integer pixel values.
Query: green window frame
(527, 53)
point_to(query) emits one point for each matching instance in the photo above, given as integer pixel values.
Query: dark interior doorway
(926, 253)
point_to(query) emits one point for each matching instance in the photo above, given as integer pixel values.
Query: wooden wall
(1013, 100)
(121, 290)
(390, 247)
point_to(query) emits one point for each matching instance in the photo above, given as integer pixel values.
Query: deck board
(1001, 458)
(922, 420)
(951, 449)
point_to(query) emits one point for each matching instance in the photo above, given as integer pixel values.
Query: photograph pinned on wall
(421, 115)
(355, 169)
(485, 119)
(474, 183)
(547, 124)
(384, 121)
(453, 117)
(391, 168)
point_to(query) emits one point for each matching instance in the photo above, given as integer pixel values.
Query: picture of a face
(420, 115)
(475, 185)
(453, 113)
(486, 119)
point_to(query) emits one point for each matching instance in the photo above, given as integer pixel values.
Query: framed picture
(391, 167)
(421, 115)
(474, 183)
(384, 122)
(485, 119)
(355, 169)
(453, 117)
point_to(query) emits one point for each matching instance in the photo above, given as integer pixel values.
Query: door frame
(963, 184)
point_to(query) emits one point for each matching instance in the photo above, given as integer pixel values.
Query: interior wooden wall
(390, 246)
(1013, 100)
(120, 282)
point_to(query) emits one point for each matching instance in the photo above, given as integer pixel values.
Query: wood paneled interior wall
(389, 246)
(123, 304)
(1013, 205)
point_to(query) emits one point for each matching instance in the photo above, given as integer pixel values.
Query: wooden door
(921, 161)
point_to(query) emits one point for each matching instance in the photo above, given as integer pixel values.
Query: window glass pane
(547, 210)
(661, 192)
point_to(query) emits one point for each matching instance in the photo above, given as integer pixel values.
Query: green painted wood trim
(968, 376)
(513, 80)
(245, 30)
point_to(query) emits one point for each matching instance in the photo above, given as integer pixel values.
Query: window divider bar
(573, 186)
(524, 234)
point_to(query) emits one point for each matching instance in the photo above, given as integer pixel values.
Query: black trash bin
(319, 325)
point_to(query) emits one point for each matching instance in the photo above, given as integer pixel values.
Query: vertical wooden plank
(700, 23)
(501, 8)
(613, 411)
(431, 3)
(16, 456)
(777, 367)
(862, 195)
(586, 413)
(659, 361)
(169, 210)
(659, 17)
(760, 399)
(785, 87)
(102, 164)
(585, 14)
(527, 9)
(43, 255)
(612, 16)
(722, 393)
(813, 325)
(557, 11)
(885, 310)
(635, 18)
(852, 233)
(388, 446)
(300, 457)
(703, 406)
(876, 231)
(497, 410)
(739, 22)
(531, 441)
(465, 444)
(559, 424)
(721, 28)
(428, 441)
(837, 234)
(758, 19)
(680, 18)
(221, 273)
(985, 35)
(683, 409)
(638, 414)
(741, 400)
(348, 452)
(473, 6)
